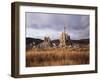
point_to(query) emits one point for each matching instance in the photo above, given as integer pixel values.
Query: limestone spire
(64, 29)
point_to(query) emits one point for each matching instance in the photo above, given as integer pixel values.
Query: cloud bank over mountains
(39, 25)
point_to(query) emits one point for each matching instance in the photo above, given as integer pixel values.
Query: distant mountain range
(38, 41)
(31, 40)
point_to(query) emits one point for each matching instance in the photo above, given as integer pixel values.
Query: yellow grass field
(56, 57)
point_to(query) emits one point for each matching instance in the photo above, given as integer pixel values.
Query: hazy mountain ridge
(35, 40)
(38, 41)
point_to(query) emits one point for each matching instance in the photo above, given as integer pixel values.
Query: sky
(39, 25)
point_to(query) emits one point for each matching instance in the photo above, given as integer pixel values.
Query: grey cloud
(76, 24)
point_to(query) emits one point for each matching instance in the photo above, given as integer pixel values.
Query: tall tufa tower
(63, 38)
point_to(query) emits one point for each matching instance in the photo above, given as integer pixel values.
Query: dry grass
(59, 56)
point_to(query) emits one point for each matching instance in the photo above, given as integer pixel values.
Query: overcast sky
(39, 25)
